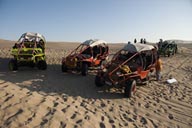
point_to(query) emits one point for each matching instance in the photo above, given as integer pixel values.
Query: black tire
(13, 65)
(169, 54)
(42, 65)
(176, 50)
(99, 82)
(130, 88)
(173, 52)
(64, 68)
(84, 70)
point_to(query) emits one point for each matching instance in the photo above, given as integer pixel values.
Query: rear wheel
(84, 70)
(130, 88)
(13, 65)
(42, 65)
(173, 52)
(169, 54)
(64, 68)
(99, 82)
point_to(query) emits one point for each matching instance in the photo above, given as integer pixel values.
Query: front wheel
(13, 65)
(169, 54)
(130, 88)
(99, 82)
(84, 70)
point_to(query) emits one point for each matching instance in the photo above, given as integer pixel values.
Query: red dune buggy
(129, 66)
(89, 54)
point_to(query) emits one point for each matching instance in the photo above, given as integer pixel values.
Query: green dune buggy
(167, 48)
(29, 51)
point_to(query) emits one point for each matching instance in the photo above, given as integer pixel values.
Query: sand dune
(34, 98)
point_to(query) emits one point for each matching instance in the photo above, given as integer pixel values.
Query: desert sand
(31, 98)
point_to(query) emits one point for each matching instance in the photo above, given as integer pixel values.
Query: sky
(110, 20)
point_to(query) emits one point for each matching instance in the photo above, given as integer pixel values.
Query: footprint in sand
(44, 122)
(87, 117)
(169, 107)
(62, 124)
(47, 117)
(73, 116)
(55, 104)
(50, 112)
(30, 119)
(8, 98)
(125, 124)
(5, 86)
(75, 126)
(11, 118)
(111, 109)
(102, 118)
(146, 105)
(29, 93)
(143, 120)
(170, 116)
(102, 125)
(6, 94)
(64, 109)
(103, 105)
(79, 121)
(111, 121)
(83, 104)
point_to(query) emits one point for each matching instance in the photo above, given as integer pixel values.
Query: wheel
(42, 65)
(99, 82)
(64, 68)
(84, 70)
(173, 52)
(168, 54)
(13, 65)
(130, 88)
(176, 50)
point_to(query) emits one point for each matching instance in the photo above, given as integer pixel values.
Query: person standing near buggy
(160, 43)
(144, 41)
(158, 68)
(141, 41)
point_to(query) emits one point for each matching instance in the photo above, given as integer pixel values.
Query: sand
(31, 98)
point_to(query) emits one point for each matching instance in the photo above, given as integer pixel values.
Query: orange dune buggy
(89, 54)
(129, 66)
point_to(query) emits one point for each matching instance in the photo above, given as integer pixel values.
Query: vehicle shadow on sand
(54, 82)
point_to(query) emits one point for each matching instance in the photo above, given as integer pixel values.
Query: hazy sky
(110, 20)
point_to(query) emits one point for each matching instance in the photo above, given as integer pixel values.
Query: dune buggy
(167, 48)
(131, 65)
(29, 51)
(88, 54)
